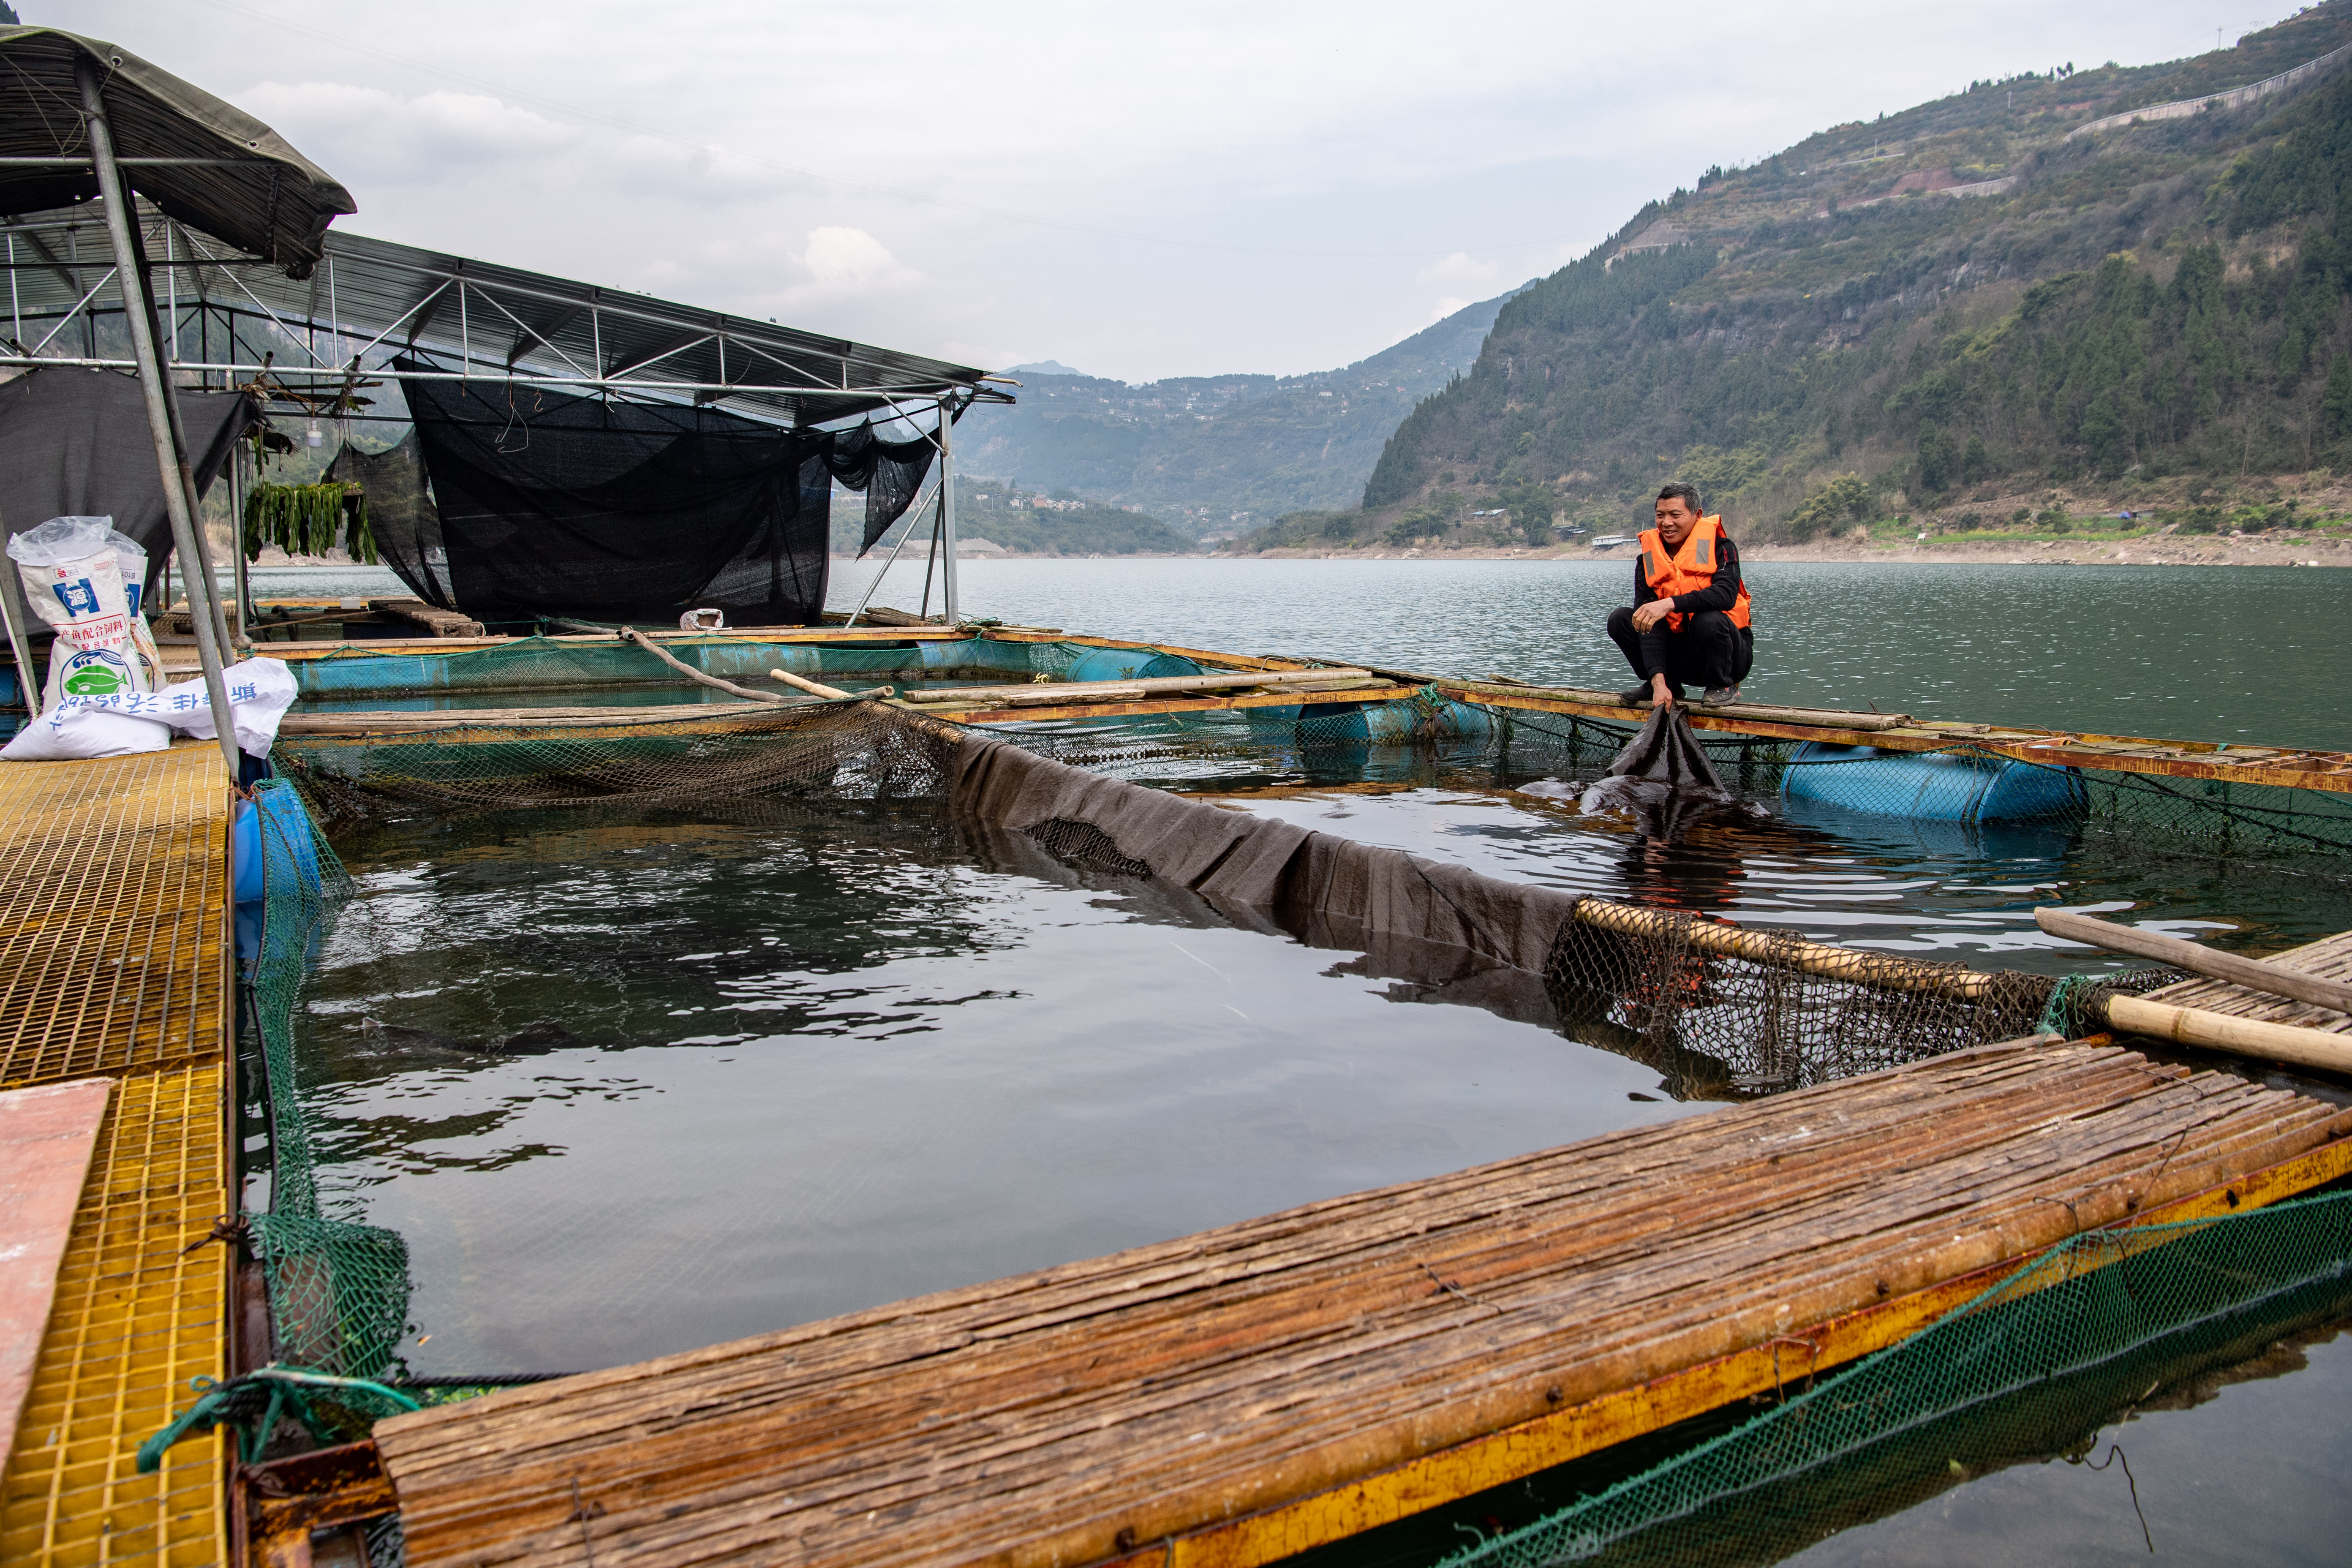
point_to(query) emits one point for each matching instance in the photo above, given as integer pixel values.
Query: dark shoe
(1635, 695)
(1720, 696)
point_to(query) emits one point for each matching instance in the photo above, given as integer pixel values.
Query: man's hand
(1647, 616)
(1661, 695)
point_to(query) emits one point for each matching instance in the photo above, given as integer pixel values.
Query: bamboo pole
(801, 683)
(1036, 693)
(2272, 979)
(2242, 1036)
(2125, 1014)
(1880, 969)
(631, 634)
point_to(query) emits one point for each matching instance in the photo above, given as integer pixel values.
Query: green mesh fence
(2031, 1369)
(542, 664)
(1963, 787)
(338, 1291)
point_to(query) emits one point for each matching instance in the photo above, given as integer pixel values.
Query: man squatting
(1688, 624)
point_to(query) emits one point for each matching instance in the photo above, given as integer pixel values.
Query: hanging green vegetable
(309, 519)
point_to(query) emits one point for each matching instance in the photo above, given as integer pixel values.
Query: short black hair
(1686, 494)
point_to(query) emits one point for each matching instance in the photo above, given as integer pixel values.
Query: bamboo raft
(1238, 1395)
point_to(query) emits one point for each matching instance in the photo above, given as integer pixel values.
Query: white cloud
(367, 136)
(852, 261)
(1463, 269)
(1282, 188)
(1445, 307)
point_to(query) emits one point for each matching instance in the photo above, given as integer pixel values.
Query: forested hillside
(1953, 304)
(1216, 455)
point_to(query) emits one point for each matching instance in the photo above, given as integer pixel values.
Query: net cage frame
(1717, 1026)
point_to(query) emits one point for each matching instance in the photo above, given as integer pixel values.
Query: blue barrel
(982, 657)
(275, 814)
(1931, 786)
(1129, 664)
(1393, 723)
(245, 854)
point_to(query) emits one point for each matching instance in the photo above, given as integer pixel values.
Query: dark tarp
(273, 203)
(400, 514)
(552, 505)
(1663, 780)
(76, 445)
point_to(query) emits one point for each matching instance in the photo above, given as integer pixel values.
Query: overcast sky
(1137, 190)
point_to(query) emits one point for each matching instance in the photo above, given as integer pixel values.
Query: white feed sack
(72, 572)
(260, 693)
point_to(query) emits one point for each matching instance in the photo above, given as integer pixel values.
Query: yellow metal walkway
(114, 923)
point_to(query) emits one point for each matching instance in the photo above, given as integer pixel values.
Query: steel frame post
(947, 515)
(236, 547)
(162, 417)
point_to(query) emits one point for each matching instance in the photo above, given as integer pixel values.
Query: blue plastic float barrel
(1930, 786)
(245, 854)
(276, 811)
(1129, 664)
(1393, 723)
(981, 657)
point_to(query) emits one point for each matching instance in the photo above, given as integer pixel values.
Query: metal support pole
(930, 563)
(28, 684)
(236, 547)
(947, 515)
(863, 599)
(179, 437)
(162, 422)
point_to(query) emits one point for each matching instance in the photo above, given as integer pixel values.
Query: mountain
(1062, 523)
(1213, 455)
(1045, 367)
(1023, 520)
(1997, 293)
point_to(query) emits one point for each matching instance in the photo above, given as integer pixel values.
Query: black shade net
(544, 504)
(78, 445)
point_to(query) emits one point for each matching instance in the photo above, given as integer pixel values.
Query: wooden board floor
(1237, 1395)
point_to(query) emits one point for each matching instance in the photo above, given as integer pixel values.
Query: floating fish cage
(956, 817)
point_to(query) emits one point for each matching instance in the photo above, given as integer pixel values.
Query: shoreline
(2149, 549)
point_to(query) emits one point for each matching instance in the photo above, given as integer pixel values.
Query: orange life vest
(1689, 569)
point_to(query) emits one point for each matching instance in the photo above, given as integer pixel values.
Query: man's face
(1675, 521)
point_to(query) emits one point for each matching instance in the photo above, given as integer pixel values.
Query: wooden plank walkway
(1241, 1395)
(2330, 958)
(114, 917)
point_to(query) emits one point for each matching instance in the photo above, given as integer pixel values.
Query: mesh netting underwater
(2032, 1368)
(1720, 1018)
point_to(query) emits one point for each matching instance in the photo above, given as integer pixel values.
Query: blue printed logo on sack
(79, 596)
(96, 672)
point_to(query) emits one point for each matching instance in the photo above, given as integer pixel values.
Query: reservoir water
(813, 1061)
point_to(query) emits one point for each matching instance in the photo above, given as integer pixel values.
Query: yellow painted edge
(1516, 1452)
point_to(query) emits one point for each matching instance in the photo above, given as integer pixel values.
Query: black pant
(1708, 651)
